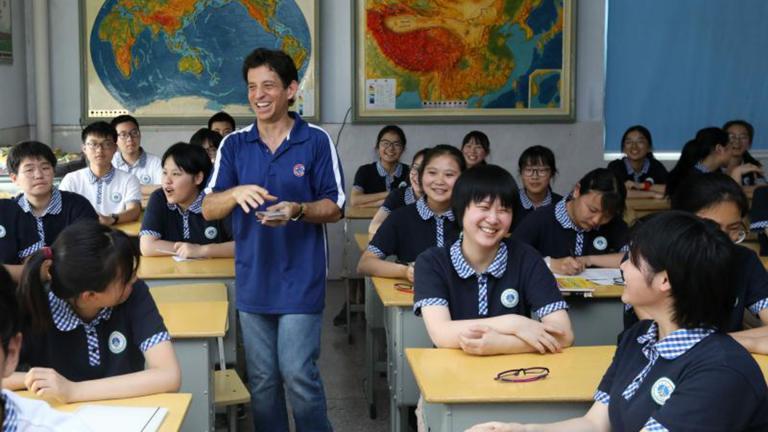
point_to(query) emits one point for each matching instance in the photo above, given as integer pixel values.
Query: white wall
(13, 82)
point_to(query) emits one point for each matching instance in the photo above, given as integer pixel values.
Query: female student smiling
(410, 230)
(676, 371)
(93, 326)
(375, 180)
(642, 174)
(537, 168)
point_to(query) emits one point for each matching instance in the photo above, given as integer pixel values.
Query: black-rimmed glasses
(523, 374)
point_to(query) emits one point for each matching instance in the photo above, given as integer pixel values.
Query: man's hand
(251, 196)
(286, 208)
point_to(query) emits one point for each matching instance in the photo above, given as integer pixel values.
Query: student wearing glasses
(642, 174)
(583, 230)
(133, 159)
(740, 135)
(677, 370)
(537, 168)
(374, 181)
(114, 194)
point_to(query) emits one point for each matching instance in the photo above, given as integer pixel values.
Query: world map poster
(180, 61)
(443, 60)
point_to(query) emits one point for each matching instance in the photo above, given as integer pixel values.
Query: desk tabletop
(647, 203)
(360, 212)
(193, 292)
(130, 228)
(389, 295)
(765, 261)
(186, 320)
(177, 405)
(362, 241)
(601, 291)
(164, 267)
(452, 376)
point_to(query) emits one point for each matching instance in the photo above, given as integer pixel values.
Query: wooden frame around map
(363, 114)
(91, 85)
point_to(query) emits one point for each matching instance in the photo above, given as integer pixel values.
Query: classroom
(531, 329)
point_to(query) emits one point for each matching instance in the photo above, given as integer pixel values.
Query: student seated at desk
(132, 158)
(583, 230)
(740, 134)
(677, 371)
(173, 222)
(401, 196)
(758, 217)
(642, 174)
(537, 168)
(478, 293)
(93, 326)
(208, 140)
(20, 414)
(410, 230)
(717, 197)
(18, 237)
(222, 123)
(475, 147)
(706, 153)
(114, 194)
(375, 180)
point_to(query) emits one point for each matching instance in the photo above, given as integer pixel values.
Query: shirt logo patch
(2, 231)
(117, 342)
(510, 298)
(116, 197)
(298, 170)
(402, 184)
(600, 243)
(145, 179)
(662, 389)
(650, 180)
(211, 232)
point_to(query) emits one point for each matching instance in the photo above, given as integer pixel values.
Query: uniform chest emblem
(650, 180)
(145, 179)
(298, 170)
(510, 298)
(211, 232)
(662, 389)
(117, 342)
(2, 231)
(116, 197)
(600, 243)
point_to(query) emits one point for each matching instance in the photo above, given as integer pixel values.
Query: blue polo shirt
(692, 380)
(111, 344)
(411, 230)
(524, 206)
(64, 209)
(167, 221)
(18, 234)
(397, 198)
(516, 282)
(554, 234)
(373, 178)
(280, 270)
(652, 171)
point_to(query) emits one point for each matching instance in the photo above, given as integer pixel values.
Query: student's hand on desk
(568, 266)
(48, 383)
(106, 220)
(188, 250)
(539, 335)
(409, 273)
(251, 196)
(482, 340)
(497, 427)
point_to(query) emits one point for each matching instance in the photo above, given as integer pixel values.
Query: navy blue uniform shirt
(516, 282)
(168, 222)
(111, 344)
(652, 171)
(373, 178)
(524, 206)
(692, 380)
(397, 198)
(64, 209)
(18, 235)
(411, 230)
(758, 216)
(553, 234)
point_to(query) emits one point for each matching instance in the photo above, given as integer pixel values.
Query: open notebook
(121, 418)
(589, 279)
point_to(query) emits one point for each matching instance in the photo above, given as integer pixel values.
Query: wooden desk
(597, 318)
(459, 390)
(166, 271)
(639, 207)
(362, 241)
(130, 228)
(176, 404)
(360, 212)
(765, 261)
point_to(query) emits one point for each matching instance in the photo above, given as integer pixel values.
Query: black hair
(750, 129)
(394, 129)
(442, 150)
(204, 134)
(695, 151)
(699, 260)
(483, 182)
(124, 118)
(99, 129)
(87, 256)
(422, 153)
(28, 149)
(221, 116)
(277, 61)
(612, 192)
(481, 139)
(696, 193)
(537, 154)
(10, 322)
(192, 159)
(642, 130)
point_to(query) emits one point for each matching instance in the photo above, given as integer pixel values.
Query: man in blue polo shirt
(281, 179)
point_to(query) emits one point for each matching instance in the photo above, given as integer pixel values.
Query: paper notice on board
(305, 103)
(380, 93)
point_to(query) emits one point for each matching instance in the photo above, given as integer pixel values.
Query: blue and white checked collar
(675, 344)
(389, 178)
(196, 207)
(107, 178)
(408, 196)
(528, 204)
(561, 214)
(120, 162)
(54, 205)
(65, 319)
(10, 415)
(701, 167)
(464, 270)
(426, 213)
(643, 170)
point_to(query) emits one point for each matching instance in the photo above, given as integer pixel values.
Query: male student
(222, 123)
(133, 159)
(114, 194)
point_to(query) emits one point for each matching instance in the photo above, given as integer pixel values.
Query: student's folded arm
(612, 260)
(560, 320)
(14, 382)
(372, 265)
(155, 246)
(380, 216)
(131, 213)
(754, 340)
(360, 199)
(219, 250)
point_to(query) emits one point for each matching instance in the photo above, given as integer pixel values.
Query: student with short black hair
(678, 370)
(475, 147)
(222, 123)
(173, 222)
(585, 229)
(642, 174)
(114, 194)
(91, 326)
(131, 157)
(537, 169)
(207, 139)
(410, 230)
(706, 153)
(374, 181)
(740, 136)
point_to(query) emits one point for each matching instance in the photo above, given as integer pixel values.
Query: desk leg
(197, 378)
(459, 417)
(374, 326)
(595, 321)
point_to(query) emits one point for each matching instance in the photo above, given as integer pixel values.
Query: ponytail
(32, 296)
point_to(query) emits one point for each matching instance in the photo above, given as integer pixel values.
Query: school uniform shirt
(18, 235)
(108, 194)
(516, 282)
(397, 198)
(148, 169)
(31, 415)
(411, 230)
(111, 344)
(524, 206)
(652, 171)
(554, 234)
(373, 178)
(64, 209)
(167, 221)
(751, 179)
(758, 216)
(692, 380)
